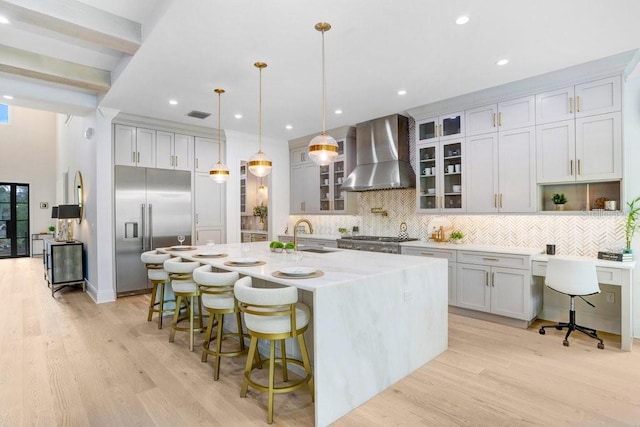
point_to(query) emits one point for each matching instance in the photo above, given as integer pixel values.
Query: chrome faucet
(295, 231)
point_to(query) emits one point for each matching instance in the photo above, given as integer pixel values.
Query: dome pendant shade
(323, 149)
(220, 172)
(259, 164)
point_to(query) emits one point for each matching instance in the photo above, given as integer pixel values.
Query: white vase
(261, 225)
(560, 207)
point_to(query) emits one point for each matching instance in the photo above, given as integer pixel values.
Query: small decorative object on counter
(559, 200)
(260, 211)
(343, 231)
(456, 236)
(551, 249)
(404, 234)
(289, 247)
(276, 246)
(631, 224)
(355, 230)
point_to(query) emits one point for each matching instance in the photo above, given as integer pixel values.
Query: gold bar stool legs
(185, 290)
(159, 279)
(274, 315)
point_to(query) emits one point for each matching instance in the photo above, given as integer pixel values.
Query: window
(4, 114)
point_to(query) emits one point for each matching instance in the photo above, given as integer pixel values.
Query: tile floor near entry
(68, 361)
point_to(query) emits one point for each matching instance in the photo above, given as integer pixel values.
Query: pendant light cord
(219, 125)
(324, 88)
(260, 113)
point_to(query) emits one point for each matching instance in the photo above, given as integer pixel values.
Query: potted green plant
(52, 229)
(343, 231)
(289, 247)
(276, 246)
(261, 212)
(559, 200)
(631, 224)
(456, 236)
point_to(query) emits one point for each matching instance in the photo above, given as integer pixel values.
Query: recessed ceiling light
(7, 97)
(338, 111)
(402, 92)
(173, 102)
(502, 62)
(462, 20)
(4, 20)
(288, 127)
(238, 116)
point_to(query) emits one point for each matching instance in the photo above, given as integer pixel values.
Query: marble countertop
(339, 266)
(254, 231)
(514, 250)
(627, 265)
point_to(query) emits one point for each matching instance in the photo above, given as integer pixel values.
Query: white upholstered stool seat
(576, 278)
(187, 292)
(159, 278)
(274, 314)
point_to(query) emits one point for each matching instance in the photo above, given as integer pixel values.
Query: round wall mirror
(79, 193)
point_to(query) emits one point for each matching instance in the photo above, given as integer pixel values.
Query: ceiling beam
(77, 20)
(29, 64)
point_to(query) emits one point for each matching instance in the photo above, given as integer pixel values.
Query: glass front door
(14, 220)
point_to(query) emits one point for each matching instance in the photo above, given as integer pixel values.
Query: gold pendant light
(220, 172)
(323, 149)
(259, 164)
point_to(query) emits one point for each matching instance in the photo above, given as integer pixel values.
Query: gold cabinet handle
(495, 200)
(196, 163)
(138, 157)
(196, 218)
(579, 168)
(578, 104)
(493, 279)
(133, 157)
(486, 278)
(494, 120)
(570, 105)
(500, 118)
(490, 259)
(571, 167)
(500, 199)
(427, 253)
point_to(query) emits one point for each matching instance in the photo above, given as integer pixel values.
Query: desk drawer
(606, 275)
(495, 259)
(448, 254)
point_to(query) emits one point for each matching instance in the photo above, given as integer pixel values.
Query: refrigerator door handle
(150, 226)
(144, 234)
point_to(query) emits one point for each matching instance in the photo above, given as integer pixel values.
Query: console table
(609, 273)
(63, 264)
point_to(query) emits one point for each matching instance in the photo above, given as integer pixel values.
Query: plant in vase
(261, 212)
(289, 247)
(276, 246)
(343, 231)
(52, 229)
(456, 236)
(559, 200)
(631, 224)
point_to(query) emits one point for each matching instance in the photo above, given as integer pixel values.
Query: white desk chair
(576, 278)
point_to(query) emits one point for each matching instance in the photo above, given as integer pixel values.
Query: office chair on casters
(576, 278)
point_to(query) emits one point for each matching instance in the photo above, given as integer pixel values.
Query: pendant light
(323, 149)
(260, 165)
(220, 172)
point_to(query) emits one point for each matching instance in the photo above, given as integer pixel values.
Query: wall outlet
(611, 297)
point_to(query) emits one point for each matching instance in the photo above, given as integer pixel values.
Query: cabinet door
(555, 152)
(203, 235)
(206, 153)
(554, 106)
(450, 183)
(517, 173)
(312, 188)
(453, 288)
(298, 191)
(299, 156)
(125, 145)
(516, 113)
(451, 125)
(481, 120)
(208, 202)
(482, 173)
(146, 147)
(509, 289)
(474, 291)
(183, 152)
(427, 130)
(599, 147)
(164, 150)
(427, 156)
(598, 97)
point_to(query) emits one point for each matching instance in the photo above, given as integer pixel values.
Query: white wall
(28, 147)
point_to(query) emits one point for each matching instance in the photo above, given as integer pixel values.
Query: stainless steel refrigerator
(152, 207)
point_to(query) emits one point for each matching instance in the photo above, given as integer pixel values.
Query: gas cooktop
(380, 239)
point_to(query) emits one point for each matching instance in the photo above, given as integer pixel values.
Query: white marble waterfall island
(376, 317)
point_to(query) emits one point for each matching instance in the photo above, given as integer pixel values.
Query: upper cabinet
(135, 146)
(440, 178)
(206, 153)
(506, 115)
(332, 198)
(586, 99)
(174, 151)
(443, 127)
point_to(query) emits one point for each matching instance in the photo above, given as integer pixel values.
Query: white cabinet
(134, 146)
(586, 99)
(500, 171)
(443, 127)
(174, 151)
(209, 209)
(449, 255)
(506, 115)
(332, 199)
(490, 282)
(440, 185)
(585, 149)
(305, 189)
(206, 154)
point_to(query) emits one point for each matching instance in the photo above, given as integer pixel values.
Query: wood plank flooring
(69, 362)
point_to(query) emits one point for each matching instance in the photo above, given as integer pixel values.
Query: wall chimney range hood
(382, 156)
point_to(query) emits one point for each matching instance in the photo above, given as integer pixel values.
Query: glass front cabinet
(440, 182)
(332, 199)
(440, 128)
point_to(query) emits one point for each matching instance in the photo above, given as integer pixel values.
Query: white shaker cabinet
(505, 115)
(305, 189)
(443, 127)
(174, 151)
(209, 209)
(134, 146)
(206, 154)
(449, 255)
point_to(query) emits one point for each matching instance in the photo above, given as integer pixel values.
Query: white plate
(182, 248)
(210, 253)
(298, 271)
(244, 260)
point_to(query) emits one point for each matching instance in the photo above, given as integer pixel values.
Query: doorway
(14, 220)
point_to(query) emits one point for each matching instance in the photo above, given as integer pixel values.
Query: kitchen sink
(316, 250)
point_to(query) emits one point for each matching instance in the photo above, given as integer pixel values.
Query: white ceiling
(375, 48)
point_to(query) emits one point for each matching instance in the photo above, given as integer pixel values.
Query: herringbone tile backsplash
(580, 234)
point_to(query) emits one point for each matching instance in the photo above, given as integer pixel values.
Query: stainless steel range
(390, 245)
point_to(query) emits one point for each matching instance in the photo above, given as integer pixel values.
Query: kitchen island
(376, 318)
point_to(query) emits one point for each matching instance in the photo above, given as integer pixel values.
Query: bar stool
(186, 291)
(159, 278)
(273, 314)
(218, 299)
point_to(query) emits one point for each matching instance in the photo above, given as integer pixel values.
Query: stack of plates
(298, 271)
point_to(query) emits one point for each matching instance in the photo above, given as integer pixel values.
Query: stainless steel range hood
(382, 156)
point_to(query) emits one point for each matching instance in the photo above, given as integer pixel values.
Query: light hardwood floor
(67, 361)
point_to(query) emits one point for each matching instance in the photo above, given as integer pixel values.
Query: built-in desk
(609, 273)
